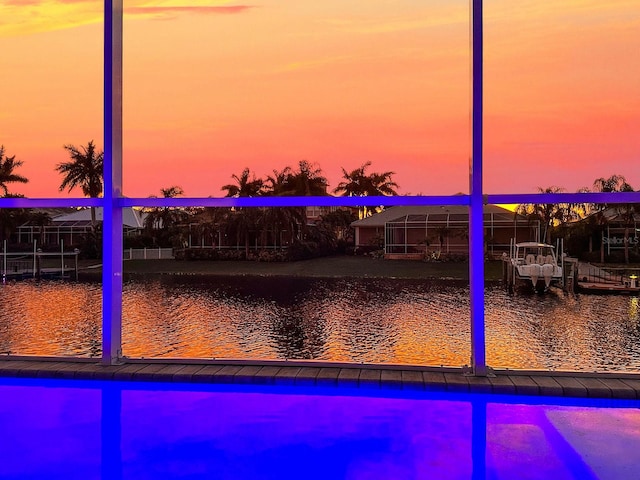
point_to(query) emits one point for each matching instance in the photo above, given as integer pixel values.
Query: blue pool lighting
(57, 429)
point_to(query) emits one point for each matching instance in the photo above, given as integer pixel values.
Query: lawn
(338, 266)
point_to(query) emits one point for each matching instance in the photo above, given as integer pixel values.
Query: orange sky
(214, 86)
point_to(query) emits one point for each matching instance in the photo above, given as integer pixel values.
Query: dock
(583, 277)
(362, 376)
(38, 264)
(50, 273)
(594, 279)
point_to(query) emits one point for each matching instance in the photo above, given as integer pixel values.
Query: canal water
(355, 320)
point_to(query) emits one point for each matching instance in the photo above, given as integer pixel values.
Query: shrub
(301, 250)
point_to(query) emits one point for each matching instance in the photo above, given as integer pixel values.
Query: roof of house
(614, 214)
(130, 218)
(455, 213)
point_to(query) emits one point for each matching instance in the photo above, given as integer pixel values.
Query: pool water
(56, 429)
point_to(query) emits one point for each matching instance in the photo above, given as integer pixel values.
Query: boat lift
(38, 264)
(512, 276)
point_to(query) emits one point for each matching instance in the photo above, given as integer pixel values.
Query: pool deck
(307, 373)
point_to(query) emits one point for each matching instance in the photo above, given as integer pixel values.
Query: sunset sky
(211, 87)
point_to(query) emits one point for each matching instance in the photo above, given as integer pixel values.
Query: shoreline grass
(327, 267)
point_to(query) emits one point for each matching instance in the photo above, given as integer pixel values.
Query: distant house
(413, 232)
(70, 227)
(605, 230)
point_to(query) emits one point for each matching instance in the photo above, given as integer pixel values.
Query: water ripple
(362, 320)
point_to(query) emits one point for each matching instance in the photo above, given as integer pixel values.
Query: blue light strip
(112, 240)
(476, 212)
(295, 201)
(49, 202)
(510, 198)
(502, 198)
(595, 197)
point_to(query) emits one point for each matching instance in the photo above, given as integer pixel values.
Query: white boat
(534, 265)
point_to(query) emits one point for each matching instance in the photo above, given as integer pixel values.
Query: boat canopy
(533, 245)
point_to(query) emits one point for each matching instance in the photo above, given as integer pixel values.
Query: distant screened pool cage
(445, 233)
(428, 231)
(113, 202)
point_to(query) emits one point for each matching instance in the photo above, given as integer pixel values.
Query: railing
(610, 275)
(36, 263)
(148, 254)
(15, 266)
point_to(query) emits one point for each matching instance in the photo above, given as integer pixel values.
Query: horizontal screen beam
(49, 202)
(276, 201)
(328, 201)
(587, 197)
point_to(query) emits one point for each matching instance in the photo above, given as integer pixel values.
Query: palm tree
(165, 219)
(209, 222)
(278, 184)
(358, 183)
(548, 215)
(84, 170)
(40, 219)
(171, 192)
(308, 180)
(274, 220)
(244, 187)
(11, 218)
(244, 220)
(353, 184)
(7, 174)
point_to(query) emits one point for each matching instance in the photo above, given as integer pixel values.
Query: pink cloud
(24, 3)
(21, 3)
(168, 10)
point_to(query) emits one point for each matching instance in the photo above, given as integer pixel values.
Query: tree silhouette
(162, 222)
(171, 192)
(11, 218)
(358, 183)
(244, 187)
(279, 184)
(242, 221)
(84, 170)
(625, 212)
(7, 174)
(308, 180)
(40, 219)
(547, 214)
(615, 183)
(273, 220)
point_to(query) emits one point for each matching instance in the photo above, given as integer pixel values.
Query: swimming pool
(127, 430)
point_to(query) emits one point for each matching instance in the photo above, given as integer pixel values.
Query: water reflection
(558, 330)
(354, 320)
(50, 318)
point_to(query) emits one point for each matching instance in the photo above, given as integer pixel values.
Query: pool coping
(310, 373)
